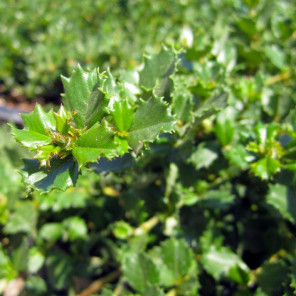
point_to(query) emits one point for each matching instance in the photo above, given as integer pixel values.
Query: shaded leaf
(59, 270)
(63, 173)
(283, 199)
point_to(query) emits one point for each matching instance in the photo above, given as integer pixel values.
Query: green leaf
(39, 121)
(36, 286)
(272, 277)
(95, 143)
(276, 56)
(122, 112)
(225, 126)
(204, 155)
(59, 270)
(153, 291)
(23, 219)
(151, 118)
(62, 120)
(222, 261)
(36, 260)
(239, 156)
(78, 90)
(265, 168)
(283, 199)
(62, 174)
(51, 231)
(122, 230)
(30, 139)
(117, 164)
(7, 270)
(177, 256)
(20, 252)
(182, 99)
(211, 106)
(140, 271)
(97, 105)
(75, 227)
(107, 292)
(175, 262)
(157, 69)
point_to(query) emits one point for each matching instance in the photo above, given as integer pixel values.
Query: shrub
(175, 178)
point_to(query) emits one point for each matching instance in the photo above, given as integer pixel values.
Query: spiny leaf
(151, 118)
(265, 168)
(30, 139)
(211, 106)
(122, 112)
(96, 142)
(157, 70)
(78, 90)
(39, 121)
(182, 99)
(62, 174)
(62, 119)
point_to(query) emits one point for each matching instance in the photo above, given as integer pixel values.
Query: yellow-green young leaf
(122, 112)
(225, 126)
(151, 118)
(95, 143)
(265, 168)
(62, 118)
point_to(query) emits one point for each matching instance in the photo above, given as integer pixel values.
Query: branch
(98, 284)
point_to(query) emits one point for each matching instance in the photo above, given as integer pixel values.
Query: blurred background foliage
(210, 210)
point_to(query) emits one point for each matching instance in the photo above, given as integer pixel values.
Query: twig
(98, 284)
(278, 78)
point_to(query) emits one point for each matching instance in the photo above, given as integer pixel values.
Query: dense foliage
(174, 176)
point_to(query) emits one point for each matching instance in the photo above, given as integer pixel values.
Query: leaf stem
(147, 225)
(277, 78)
(98, 284)
(172, 292)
